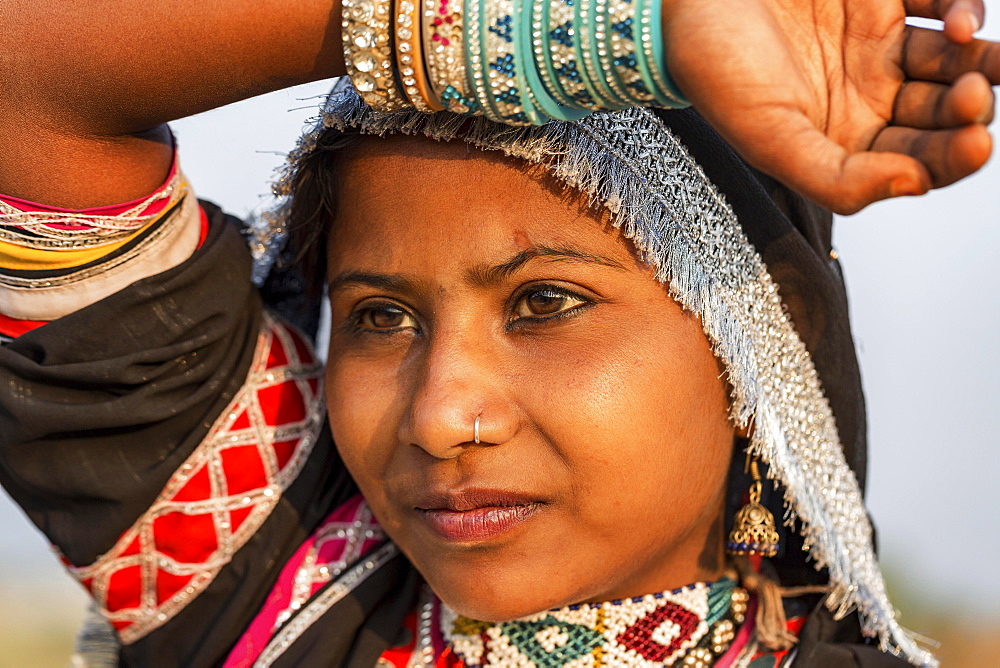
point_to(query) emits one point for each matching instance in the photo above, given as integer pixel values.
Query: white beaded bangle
(444, 54)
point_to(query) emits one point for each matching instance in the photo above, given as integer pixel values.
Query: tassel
(771, 625)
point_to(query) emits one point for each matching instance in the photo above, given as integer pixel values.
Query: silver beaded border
(368, 54)
(322, 603)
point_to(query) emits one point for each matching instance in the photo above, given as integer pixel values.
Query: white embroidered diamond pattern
(220, 496)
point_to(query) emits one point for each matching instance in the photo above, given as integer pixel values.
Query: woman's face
(463, 287)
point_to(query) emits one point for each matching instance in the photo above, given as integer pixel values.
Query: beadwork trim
(368, 53)
(139, 557)
(48, 298)
(662, 200)
(322, 603)
(690, 626)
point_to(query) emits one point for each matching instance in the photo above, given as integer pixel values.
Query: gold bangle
(409, 56)
(368, 53)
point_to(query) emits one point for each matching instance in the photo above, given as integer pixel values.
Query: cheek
(641, 425)
(360, 401)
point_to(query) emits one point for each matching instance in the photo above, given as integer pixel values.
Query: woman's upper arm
(89, 86)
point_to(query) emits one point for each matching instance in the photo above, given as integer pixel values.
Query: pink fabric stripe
(110, 210)
(256, 637)
(742, 637)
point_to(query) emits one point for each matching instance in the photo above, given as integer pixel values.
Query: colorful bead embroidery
(693, 625)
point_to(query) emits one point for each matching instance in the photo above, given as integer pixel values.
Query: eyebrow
(389, 282)
(482, 276)
(491, 275)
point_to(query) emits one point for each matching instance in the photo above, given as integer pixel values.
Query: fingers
(948, 155)
(962, 18)
(930, 56)
(930, 106)
(841, 181)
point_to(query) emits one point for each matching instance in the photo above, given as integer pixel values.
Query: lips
(476, 514)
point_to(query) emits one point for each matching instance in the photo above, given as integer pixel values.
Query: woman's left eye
(546, 302)
(379, 317)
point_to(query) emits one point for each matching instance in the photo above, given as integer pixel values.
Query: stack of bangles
(519, 62)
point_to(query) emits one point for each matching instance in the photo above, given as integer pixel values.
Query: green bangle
(651, 59)
(535, 56)
(504, 82)
(622, 28)
(472, 28)
(559, 54)
(602, 54)
(586, 49)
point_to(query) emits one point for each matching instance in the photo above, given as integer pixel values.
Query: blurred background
(924, 281)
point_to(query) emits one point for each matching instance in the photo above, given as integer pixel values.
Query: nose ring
(475, 430)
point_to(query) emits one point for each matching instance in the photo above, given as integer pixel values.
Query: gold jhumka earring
(754, 532)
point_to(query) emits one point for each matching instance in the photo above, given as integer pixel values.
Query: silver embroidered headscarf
(662, 200)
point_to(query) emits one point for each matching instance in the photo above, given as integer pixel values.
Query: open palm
(851, 105)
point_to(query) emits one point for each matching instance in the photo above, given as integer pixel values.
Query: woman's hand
(840, 99)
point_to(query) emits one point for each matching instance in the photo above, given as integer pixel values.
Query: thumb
(806, 160)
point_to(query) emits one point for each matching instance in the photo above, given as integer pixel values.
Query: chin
(501, 592)
(494, 610)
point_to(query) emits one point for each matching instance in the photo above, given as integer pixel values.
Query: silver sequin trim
(323, 601)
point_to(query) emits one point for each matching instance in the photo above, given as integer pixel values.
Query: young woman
(546, 370)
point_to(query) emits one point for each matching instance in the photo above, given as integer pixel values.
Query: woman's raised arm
(837, 98)
(87, 86)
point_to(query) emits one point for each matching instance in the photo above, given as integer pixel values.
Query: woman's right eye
(384, 318)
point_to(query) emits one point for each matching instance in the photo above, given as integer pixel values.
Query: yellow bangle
(409, 57)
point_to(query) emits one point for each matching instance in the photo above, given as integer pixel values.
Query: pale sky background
(923, 279)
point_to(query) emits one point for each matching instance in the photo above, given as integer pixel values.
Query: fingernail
(905, 187)
(974, 21)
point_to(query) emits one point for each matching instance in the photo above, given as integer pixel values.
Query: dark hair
(312, 205)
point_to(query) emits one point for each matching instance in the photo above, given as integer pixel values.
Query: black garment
(109, 401)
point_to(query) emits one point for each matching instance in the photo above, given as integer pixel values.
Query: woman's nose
(461, 398)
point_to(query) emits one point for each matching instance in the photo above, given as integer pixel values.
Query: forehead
(402, 198)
